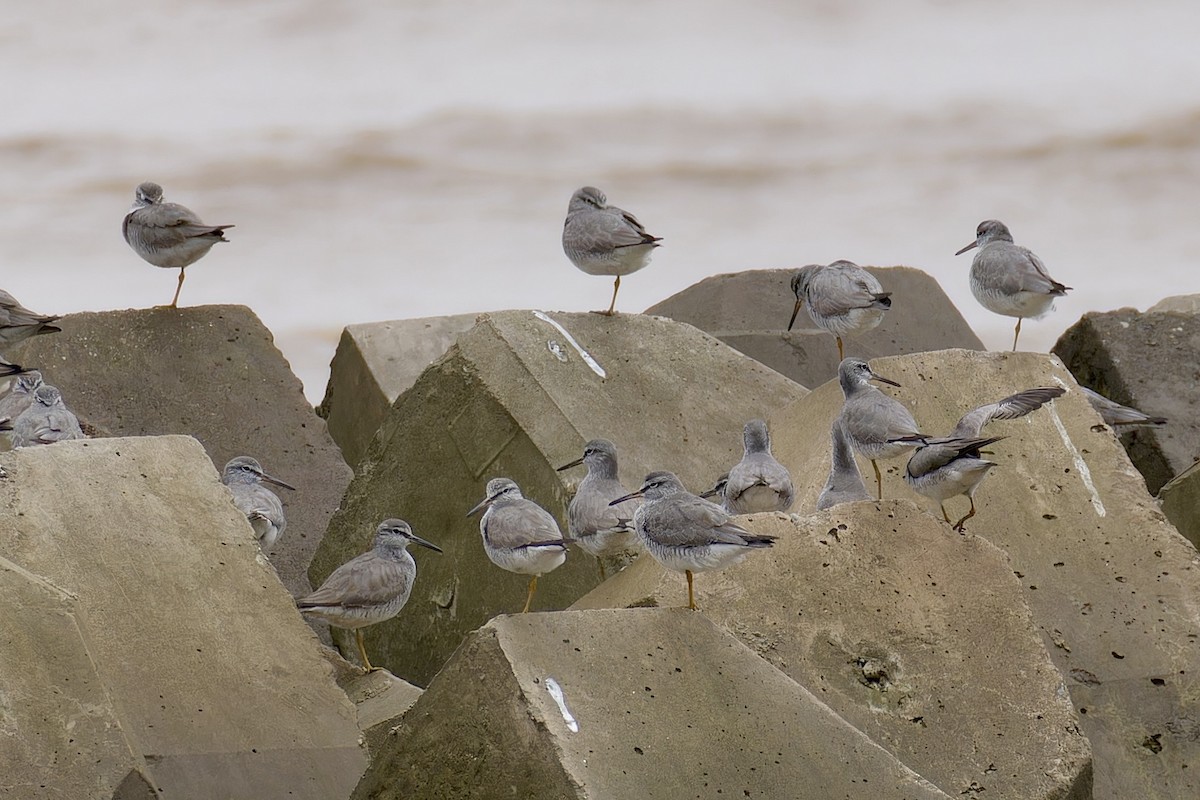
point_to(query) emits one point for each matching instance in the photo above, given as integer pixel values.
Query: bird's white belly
(1027, 305)
(699, 559)
(624, 261)
(854, 322)
(528, 560)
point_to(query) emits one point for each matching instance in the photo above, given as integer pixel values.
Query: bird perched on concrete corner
(597, 527)
(18, 323)
(1008, 279)
(757, 483)
(244, 478)
(47, 420)
(167, 235)
(875, 425)
(369, 588)
(843, 299)
(605, 240)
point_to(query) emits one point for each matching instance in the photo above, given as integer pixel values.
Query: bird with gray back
(244, 477)
(872, 421)
(845, 483)
(1118, 417)
(9, 369)
(600, 529)
(47, 420)
(18, 323)
(717, 492)
(757, 483)
(843, 299)
(605, 240)
(369, 588)
(167, 235)
(518, 534)
(686, 533)
(1008, 279)
(18, 398)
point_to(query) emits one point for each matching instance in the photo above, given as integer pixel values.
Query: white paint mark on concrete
(584, 354)
(557, 693)
(1081, 467)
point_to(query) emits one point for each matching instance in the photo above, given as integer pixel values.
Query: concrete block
(158, 606)
(1178, 304)
(374, 364)
(212, 372)
(916, 636)
(514, 398)
(1180, 501)
(1151, 362)
(1111, 584)
(621, 704)
(749, 311)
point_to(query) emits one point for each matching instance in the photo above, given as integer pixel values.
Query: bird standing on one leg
(605, 240)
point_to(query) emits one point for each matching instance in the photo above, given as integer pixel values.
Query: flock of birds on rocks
(684, 532)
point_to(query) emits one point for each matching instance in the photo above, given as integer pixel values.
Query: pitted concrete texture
(212, 372)
(1111, 584)
(1151, 362)
(1180, 501)
(514, 398)
(154, 646)
(916, 636)
(749, 311)
(374, 364)
(381, 699)
(643, 703)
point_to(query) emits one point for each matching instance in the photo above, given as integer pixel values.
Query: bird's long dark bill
(882, 379)
(971, 246)
(424, 543)
(484, 503)
(574, 463)
(277, 482)
(711, 493)
(629, 496)
(795, 313)
(7, 370)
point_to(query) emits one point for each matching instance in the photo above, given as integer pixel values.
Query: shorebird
(872, 421)
(686, 533)
(518, 534)
(845, 483)
(167, 235)
(843, 299)
(47, 420)
(20, 395)
(18, 323)
(8, 369)
(597, 527)
(369, 588)
(1118, 417)
(758, 482)
(717, 490)
(605, 240)
(1008, 279)
(244, 477)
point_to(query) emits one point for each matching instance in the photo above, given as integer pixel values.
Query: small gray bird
(605, 240)
(18, 398)
(597, 527)
(1008, 279)
(843, 299)
(47, 420)
(18, 323)
(686, 533)
(845, 483)
(369, 588)
(167, 235)
(757, 483)
(1118, 417)
(518, 534)
(874, 424)
(9, 370)
(244, 477)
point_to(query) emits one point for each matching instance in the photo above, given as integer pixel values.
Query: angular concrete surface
(514, 398)
(749, 311)
(1177, 304)
(1111, 584)
(212, 372)
(375, 362)
(916, 636)
(625, 704)
(1180, 501)
(154, 645)
(1148, 361)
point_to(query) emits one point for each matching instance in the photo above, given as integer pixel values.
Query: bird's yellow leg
(529, 597)
(691, 596)
(879, 478)
(945, 516)
(1017, 334)
(178, 287)
(958, 526)
(841, 352)
(362, 650)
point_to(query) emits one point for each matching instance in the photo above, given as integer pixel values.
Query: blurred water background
(403, 159)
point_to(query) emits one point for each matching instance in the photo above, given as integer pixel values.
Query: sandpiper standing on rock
(845, 483)
(686, 533)
(518, 534)
(1008, 279)
(605, 240)
(843, 299)
(18, 323)
(167, 235)
(757, 483)
(369, 588)
(244, 477)
(597, 527)
(47, 420)
(871, 420)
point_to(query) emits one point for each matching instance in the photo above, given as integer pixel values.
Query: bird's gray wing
(520, 524)
(1011, 407)
(1116, 415)
(840, 288)
(366, 580)
(1013, 269)
(688, 520)
(260, 501)
(758, 469)
(169, 224)
(941, 452)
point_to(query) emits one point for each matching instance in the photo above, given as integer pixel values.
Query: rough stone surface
(916, 636)
(514, 398)
(749, 311)
(375, 362)
(1179, 304)
(1180, 501)
(212, 372)
(1112, 585)
(148, 644)
(665, 706)
(1151, 362)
